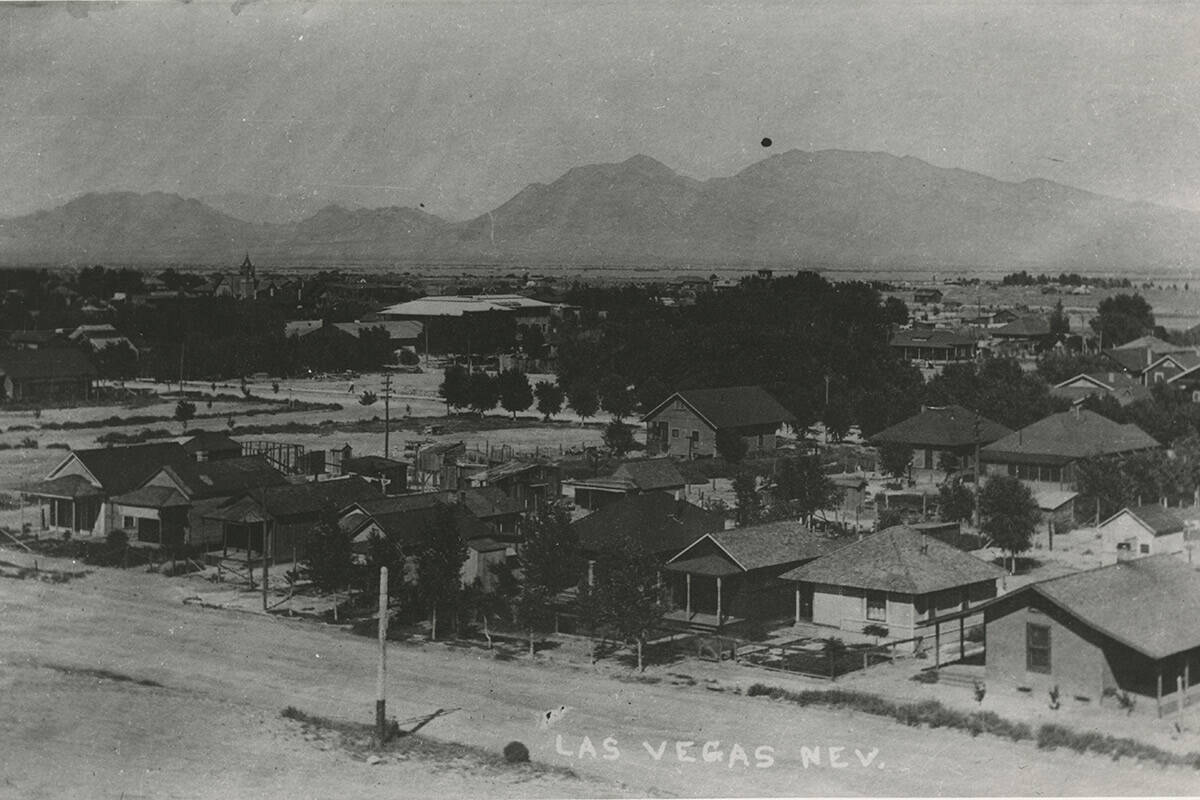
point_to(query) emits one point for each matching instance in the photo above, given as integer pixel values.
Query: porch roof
(67, 487)
(243, 512)
(153, 497)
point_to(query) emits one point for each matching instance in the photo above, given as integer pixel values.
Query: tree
(515, 392)
(582, 398)
(456, 387)
(626, 600)
(1059, 324)
(895, 311)
(837, 420)
(749, 502)
(955, 502)
(483, 391)
(184, 411)
(650, 393)
(618, 437)
(1122, 318)
(367, 398)
(1009, 515)
(616, 397)
(730, 445)
(802, 489)
(550, 562)
(894, 459)
(330, 561)
(947, 462)
(549, 399)
(440, 553)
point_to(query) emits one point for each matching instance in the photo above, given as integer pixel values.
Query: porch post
(1158, 689)
(937, 643)
(718, 600)
(1187, 676)
(72, 517)
(688, 576)
(962, 640)
(797, 605)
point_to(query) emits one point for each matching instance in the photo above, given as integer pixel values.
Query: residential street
(212, 729)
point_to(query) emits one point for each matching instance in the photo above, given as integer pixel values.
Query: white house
(1141, 531)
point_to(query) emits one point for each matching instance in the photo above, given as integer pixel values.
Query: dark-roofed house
(942, 429)
(1120, 386)
(1132, 627)
(530, 483)
(1149, 530)
(899, 578)
(277, 520)
(1046, 451)
(687, 422)
(54, 373)
(937, 346)
(1023, 335)
(1168, 366)
(733, 575)
(662, 524)
(78, 492)
(630, 477)
(169, 509)
(212, 446)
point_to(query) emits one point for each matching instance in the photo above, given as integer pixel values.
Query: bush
(516, 753)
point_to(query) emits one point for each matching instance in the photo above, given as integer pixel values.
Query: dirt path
(213, 729)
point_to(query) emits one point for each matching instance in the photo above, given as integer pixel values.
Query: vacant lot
(110, 686)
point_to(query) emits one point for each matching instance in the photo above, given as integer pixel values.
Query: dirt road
(212, 728)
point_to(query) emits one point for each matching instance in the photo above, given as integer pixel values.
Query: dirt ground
(111, 686)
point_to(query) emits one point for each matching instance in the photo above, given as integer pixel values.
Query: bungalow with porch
(1128, 630)
(1023, 336)
(942, 431)
(900, 579)
(935, 346)
(170, 508)
(687, 422)
(1044, 453)
(662, 525)
(630, 477)
(76, 496)
(730, 576)
(1148, 530)
(277, 520)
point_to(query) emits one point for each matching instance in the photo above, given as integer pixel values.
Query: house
(732, 575)
(405, 520)
(630, 477)
(1168, 366)
(1023, 336)
(77, 494)
(1117, 385)
(97, 337)
(687, 422)
(1058, 509)
(392, 475)
(900, 579)
(927, 297)
(661, 524)
(530, 483)
(212, 446)
(434, 464)
(448, 320)
(1135, 356)
(277, 520)
(52, 373)
(942, 431)
(1046, 451)
(1148, 530)
(1129, 630)
(1187, 382)
(298, 328)
(170, 508)
(935, 346)
(402, 334)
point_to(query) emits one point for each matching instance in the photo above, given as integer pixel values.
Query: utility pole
(978, 467)
(380, 679)
(387, 415)
(265, 549)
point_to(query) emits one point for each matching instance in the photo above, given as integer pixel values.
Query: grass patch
(358, 739)
(934, 714)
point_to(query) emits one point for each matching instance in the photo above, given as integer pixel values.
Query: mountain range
(795, 209)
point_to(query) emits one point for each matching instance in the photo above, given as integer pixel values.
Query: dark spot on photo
(766, 142)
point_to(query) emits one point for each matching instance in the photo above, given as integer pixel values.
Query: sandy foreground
(82, 717)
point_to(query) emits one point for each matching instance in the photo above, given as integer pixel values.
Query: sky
(455, 106)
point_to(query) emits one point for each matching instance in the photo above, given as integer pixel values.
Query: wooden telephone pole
(380, 680)
(387, 414)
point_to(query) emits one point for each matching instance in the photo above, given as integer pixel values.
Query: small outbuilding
(1141, 531)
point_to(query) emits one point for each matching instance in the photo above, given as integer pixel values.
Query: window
(877, 606)
(1144, 549)
(1196, 396)
(696, 436)
(1037, 647)
(128, 523)
(674, 433)
(1158, 377)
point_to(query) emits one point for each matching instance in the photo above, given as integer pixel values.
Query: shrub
(516, 753)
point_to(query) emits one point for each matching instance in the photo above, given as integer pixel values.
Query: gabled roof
(296, 499)
(757, 546)
(1150, 604)
(1068, 436)
(942, 426)
(730, 407)
(1182, 360)
(395, 328)
(1119, 385)
(937, 337)
(1025, 326)
(153, 497)
(302, 327)
(899, 559)
(1132, 361)
(1156, 519)
(1153, 344)
(650, 474)
(661, 523)
(67, 487)
(226, 476)
(122, 469)
(211, 442)
(406, 517)
(506, 470)
(54, 362)
(486, 502)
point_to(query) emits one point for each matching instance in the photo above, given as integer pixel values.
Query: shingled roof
(211, 442)
(730, 407)
(1150, 604)
(770, 544)
(226, 476)
(650, 474)
(1156, 519)
(122, 469)
(661, 523)
(935, 338)
(942, 426)
(1068, 436)
(899, 559)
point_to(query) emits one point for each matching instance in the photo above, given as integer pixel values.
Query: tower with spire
(247, 281)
